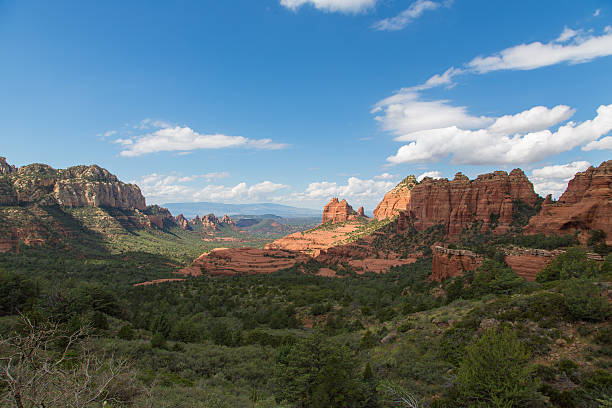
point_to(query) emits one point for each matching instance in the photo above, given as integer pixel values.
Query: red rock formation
(460, 202)
(249, 261)
(361, 212)
(338, 211)
(395, 200)
(211, 222)
(448, 263)
(586, 205)
(5, 168)
(182, 222)
(526, 262)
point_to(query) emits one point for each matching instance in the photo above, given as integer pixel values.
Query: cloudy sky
(298, 101)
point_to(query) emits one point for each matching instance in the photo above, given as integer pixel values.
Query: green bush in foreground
(495, 371)
(571, 264)
(584, 300)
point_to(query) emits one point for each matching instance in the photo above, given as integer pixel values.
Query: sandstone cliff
(182, 222)
(395, 200)
(338, 211)
(79, 186)
(488, 199)
(586, 205)
(5, 168)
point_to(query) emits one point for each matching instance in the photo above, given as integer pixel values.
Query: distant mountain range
(190, 210)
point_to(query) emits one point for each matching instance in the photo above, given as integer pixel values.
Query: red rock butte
(458, 203)
(338, 211)
(585, 205)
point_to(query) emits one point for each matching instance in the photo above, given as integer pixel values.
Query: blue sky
(297, 101)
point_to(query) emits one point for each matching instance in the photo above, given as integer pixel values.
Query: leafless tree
(44, 366)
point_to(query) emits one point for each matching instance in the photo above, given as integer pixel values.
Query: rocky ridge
(585, 205)
(489, 199)
(396, 200)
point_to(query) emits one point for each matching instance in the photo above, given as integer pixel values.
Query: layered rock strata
(396, 200)
(586, 205)
(244, 261)
(338, 211)
(457, 204)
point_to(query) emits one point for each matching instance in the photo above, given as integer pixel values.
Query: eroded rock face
(210, 222)
(159, 217)
(79, 186)
(182, 222)
(338, 211)
(458, 203)
(5, 168)
(526, 262)
(586, 205)
(395, 200)
(245, 261)
(361, 212)
(449, 263)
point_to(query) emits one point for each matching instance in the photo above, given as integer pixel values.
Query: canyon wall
(79, 186)
(458, 203)
(395, 200)
(585, 205)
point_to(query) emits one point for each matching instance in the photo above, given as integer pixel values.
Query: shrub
(126, 332)
(495, 371)
(584, 301)
(571, 264)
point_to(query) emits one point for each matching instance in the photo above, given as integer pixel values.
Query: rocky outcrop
(244, 261)
(585, 205)
(449, 263)
(361, 212)
(160, 217)
(182, 222)
(210, 222)
(319, 238)
(338, 211)
(5, 168)
(526, 262)
(79, 186)
(395, 200)
(457, 204)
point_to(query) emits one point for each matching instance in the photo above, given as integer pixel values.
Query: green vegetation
(294, 339)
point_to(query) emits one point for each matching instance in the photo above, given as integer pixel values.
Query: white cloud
(432, 174)
(386, 176)
(164, 188)
(185, 139)
(536, 54)
(604, 143)
(532, 120)
(343, 6)
(405, 113)
(596, 13)
(553, 179)
(407, 16)
(571, 46)
(106, 134)
(356, 191)
(496, 144)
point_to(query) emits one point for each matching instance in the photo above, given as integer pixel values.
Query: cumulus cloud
(185, 139)
(357, 192)
(553, 179)
(386, 176)
(432, 174)
(405, 113)
(604, 143)
(343, 6)
(163, 188)
(407, 16)
(435, 134)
